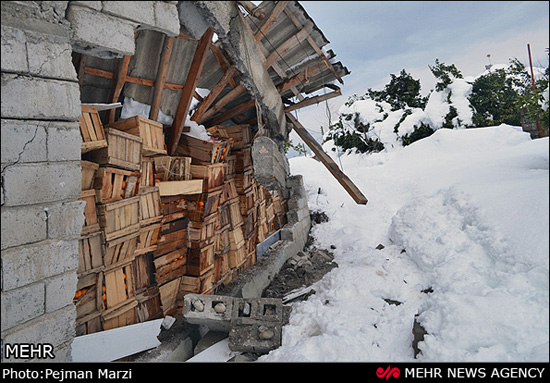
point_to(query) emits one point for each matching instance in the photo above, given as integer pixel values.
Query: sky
(376, 39)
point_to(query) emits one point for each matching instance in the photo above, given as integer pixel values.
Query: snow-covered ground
(464, 217)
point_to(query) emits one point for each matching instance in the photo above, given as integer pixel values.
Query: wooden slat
(325, 159)
(290, 43)
(188, 89)
(313, 100)
(161, 77)
(216, 90)
(314, 45)
(279, 8)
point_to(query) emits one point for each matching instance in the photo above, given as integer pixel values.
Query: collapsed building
(115, 204)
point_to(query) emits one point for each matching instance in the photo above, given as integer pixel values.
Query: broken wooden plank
(161, 77)
(216, 90)
(109, 345)
(187, 93)
(325, 159)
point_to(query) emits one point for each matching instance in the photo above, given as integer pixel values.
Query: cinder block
(14, 50)
(257, 311)
(22, 225)
(60, 291)
(259, 338)
(26, 184)
(166, 17)
(100, 34)
(21, 305)
(213, 311)
(57, 328)
(37, 98)
(23, 141)
(28, 264)
(50, 56)
(65, 219)
(64, 141)
(141, 12)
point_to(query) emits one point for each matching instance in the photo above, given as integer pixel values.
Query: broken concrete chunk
(198, 305)
(219, 308)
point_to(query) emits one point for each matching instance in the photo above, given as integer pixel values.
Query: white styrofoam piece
(109, 345)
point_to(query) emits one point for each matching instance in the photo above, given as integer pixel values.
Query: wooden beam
(188, 89)
(118, 84)
(279, 8)
(254, 10)
(313, 100)
(214, 93)
(325, 159)
(161, 77)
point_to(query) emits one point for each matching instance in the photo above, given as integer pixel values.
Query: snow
(463, 212)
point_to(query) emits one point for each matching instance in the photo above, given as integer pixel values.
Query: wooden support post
(325, 159)
(188, 89)
(119, 81)
(161, 77)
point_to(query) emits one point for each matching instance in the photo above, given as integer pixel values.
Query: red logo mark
(388, 372)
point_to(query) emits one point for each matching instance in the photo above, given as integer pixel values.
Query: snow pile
(463, 216)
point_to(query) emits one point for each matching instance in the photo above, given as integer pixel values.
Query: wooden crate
(235, 212)
(120, 250)
(91, 250)
(149, 304)
(123, 151)
(202, 151)
(151, 132)
(149, 206)
(229, 190)
(91, 222)
(229, 164)
(121, 316)
(237, 257)
(168, 294)
(147, 177)
(221, 266)
(118, 286)
(169, 242)
(89, 324)
(205, 230)
(247, 200)
(173, 207)
(197, 285)
(89, 170)
(200, 260)
(113, 184)
(240, 134)
(236, 238)
(244, 180)
(171, 265)
(202, 205)
(212, 175)
(243, 159)
(88, 296)
(148, 237)
(172, 168)
(223, 245)
(91, 129)
(119, 218)
(144, 270)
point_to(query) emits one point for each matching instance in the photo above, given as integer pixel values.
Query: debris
(168, 322)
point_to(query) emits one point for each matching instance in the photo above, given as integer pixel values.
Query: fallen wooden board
(109, 345)
(169, 188)
(325, 159)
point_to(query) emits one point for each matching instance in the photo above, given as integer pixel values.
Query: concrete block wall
(40, 152)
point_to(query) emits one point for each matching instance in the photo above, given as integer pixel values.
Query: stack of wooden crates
(158, 227)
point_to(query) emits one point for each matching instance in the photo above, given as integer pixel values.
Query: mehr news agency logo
(505, 371)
